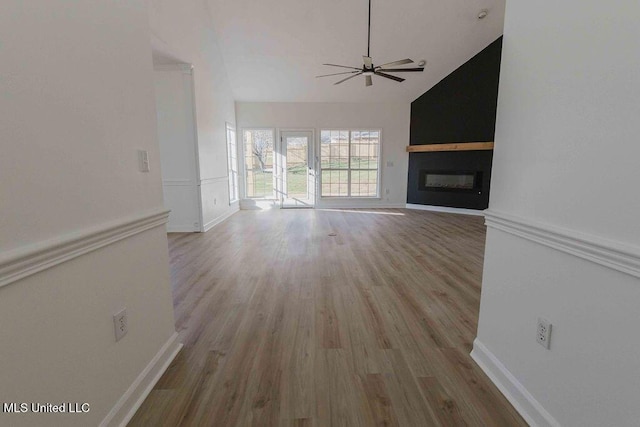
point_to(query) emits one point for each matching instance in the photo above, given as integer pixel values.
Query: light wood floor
(284, 323)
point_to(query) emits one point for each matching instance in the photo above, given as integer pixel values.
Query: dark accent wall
(460, 108)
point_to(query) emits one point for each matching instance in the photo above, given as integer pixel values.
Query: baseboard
(208, 226)
(130, 402)
(461, 211)
(356, 205)
(182, 229)
(528, 407)
(256, 204)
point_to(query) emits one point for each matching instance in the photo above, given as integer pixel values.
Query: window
(349, 163)
(232, 157)
(258, 163)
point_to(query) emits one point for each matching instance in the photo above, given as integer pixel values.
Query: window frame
(245, 195)
(349, 169)
(234, 197)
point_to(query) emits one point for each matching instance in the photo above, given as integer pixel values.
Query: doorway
(297, 186)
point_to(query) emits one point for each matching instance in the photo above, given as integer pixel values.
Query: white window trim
(243, 171)
(378, 195)
(233, 198)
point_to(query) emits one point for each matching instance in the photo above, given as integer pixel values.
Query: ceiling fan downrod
(369, 70)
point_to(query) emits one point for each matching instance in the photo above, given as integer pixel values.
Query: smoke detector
(483, 13)
(422, 63)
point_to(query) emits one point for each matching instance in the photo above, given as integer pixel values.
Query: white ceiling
(273, 49)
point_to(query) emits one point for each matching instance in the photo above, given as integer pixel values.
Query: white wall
(77, 103)
(178, 146)
(563, 240)
(393, 119)
(183, 32)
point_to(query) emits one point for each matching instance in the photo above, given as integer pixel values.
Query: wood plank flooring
(284, 324)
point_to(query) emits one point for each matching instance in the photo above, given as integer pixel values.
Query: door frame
(313, 162)
(194, 179)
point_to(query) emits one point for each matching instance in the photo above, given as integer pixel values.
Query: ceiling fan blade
(391, 64)
(337, 74)
(367, 61)
(350, 77)
(399, 70)
(368, 81)
(389, 76)
(342, 66)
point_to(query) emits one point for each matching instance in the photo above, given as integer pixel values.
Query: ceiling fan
(368, 69)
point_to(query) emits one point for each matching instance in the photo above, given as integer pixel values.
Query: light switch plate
(143, 160)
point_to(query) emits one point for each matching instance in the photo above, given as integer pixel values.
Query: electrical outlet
(121, 323)
(543, 335)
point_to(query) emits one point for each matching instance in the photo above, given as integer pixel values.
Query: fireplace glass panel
(462, 181)
(451, 181)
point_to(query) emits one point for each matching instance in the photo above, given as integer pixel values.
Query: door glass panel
(297, 167)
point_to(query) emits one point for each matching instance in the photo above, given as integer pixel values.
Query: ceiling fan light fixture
(367, 73)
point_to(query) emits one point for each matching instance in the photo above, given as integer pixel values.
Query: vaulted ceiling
(273, 49)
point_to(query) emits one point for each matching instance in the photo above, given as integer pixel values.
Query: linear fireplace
(454, 179)
(436, 180)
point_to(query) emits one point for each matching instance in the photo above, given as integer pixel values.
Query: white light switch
(143, 160)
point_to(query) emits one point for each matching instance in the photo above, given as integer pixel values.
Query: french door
(297, 178)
